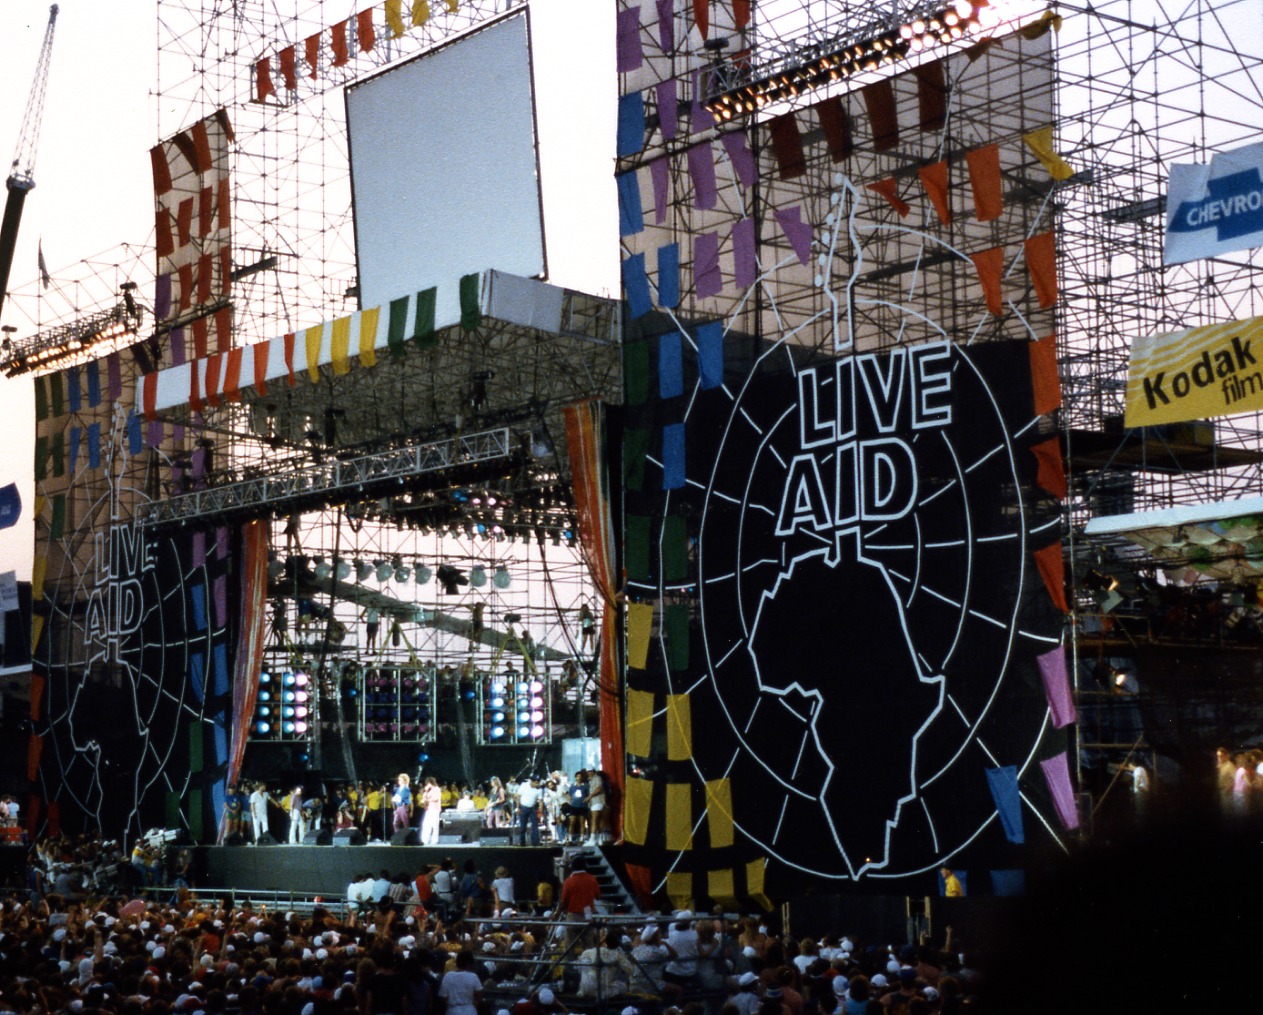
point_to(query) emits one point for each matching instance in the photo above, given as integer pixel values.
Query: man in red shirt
(579, 893)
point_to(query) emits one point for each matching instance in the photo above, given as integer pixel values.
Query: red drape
(1041, 262)
(337, 42)
(879, 99)
(263, 79)
(364, 32)
(1052, 568)
(585, 439)
(787, 145)
(836, 124)
(289, 69)
(1044, 377)
(931, 96)
(1051, 471)
(253, 628)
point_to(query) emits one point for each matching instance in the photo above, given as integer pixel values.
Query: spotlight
(363, 570)
(423, 574)
(323, 571)
(501, 579)
(275, 568)
(477, 576)
(402, 574)
(344, 570)
(384, 570)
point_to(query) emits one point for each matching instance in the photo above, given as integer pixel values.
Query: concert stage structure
(830, 540)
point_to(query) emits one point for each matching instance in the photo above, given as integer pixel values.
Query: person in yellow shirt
(450, 795)
(373, 804)
(952, 887)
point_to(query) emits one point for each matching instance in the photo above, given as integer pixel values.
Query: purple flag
(162, 297)
(666, 25)
(1057, 774)
(178, 355)
(630, 55)
(177, 435)
(199, 548)
(700, 117)
(199, 463)
(221, 542)
(745, 267)
(219, 590)
(668, 108)
(154, 437)
(707, 280)
(114, 375)
(796, 231)
(660, 174)
(1052, 667)
(742, 158)
(702, 169)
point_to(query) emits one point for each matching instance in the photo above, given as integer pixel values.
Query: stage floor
(329, 870)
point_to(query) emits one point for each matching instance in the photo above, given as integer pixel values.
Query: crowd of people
(398, 948)
(553, 807)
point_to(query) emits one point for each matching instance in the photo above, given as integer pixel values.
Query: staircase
(614, 894)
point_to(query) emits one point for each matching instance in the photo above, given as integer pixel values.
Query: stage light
(501, 579)
(265, 695)
(288, 712)
(363, 570)
(537, 732)
(497, 717)
(536, 686)
(265, 710)
(344, 570)
(301, 711)
(477, 576)
(384, 570)
(523, 732)
(497, 703)
(275, 568)
(402, 574)
(523, 716)
(288, 679)
(537, 702)
(265, 678)
(497, 732)
(288, 696)
(262, 727)
(301, 679)
(537, 716)
(323, 571)
(300, 695)
(287, 727)
(422, 574)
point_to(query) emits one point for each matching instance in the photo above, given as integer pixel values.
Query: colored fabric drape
(340, 346)
(680, 889)
(289, 67)
(796, 231)
(668, 108)
(163, 239)
(232, 374)
(675, 626)
(1052, 569)
(666, 24)
(660, 174)
(985, 182)
(420, 12)
(311, 55)
(57, 527)
(56, 398)
(669, 275)
(679, 816)
(185, 275)
(150, 395)
(701, 162)
(701, 16)
(202, 161)
(787, 146)
(883, 116)
(396, 326)
(114, 376)
(740, 13)
(34, 752)
(1041, 262)
(707, 278)
(639, 725)
(338, 44)
(673, 469)
(835, 123)
(889, 189)
(719, 812)
(629, 55)
(368, 336)
(184, 221)
(470, 301)
(1040, 142)
(205, 211)
(710, 355)
(631, 124)
(423, 333)
(1008, 801)
(931, 95)
(250, 641)
(364, 31)
(213, 364)
(745, 262)
(674, 542)
(635, 448)
(1056, 680)
(636, 372)
(742, 159)
(1051, 471)
(195, 388)
(261, 368)
(312, 339)
(1057, 773)
(679, 727)
(205, 277)
(394, 18)
(990, 264)
(638, 801)
(1045, 380)
(589, 467)
(631, 216)
(934, 180)
(639, 632)
(263, 79)
(1047, 20)
(636, 552)
(636, 286)
(161, 170)
(721, 886)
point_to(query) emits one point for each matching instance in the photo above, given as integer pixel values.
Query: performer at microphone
(402, 799)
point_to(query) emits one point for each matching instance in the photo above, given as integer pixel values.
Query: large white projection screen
(444, 175)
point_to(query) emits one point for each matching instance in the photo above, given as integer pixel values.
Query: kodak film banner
(1215, 208)
(1213, 370)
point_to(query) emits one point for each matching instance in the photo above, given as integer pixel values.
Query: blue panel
(670, 365)
(631, 215)
(76, 438)
(1008, 801)
(219, 668)
(669, 275)
(197, 675)
(673, 456)
(198, 595)
(631, 124)
(710, 354)
(72, 389)
(94, 445)
(636, 285)
(94, 384)
(135, 436)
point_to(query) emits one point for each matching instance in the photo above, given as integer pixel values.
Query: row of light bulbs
(385, 571)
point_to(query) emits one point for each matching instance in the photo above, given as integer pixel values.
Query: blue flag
(10, 505)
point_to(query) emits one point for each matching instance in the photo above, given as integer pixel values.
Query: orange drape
(787, 146)
(261, 368)
(150, 395)
(1053, 570)
(311, 53)
(888, 189)
(984, 180)
(263, 79)
(740, 13)
(199, 338)
(1041, 262)
(289, 71)
(1045, 380)
(213, 364)
(989, 265)
(701, 15)
(879, 99)
(931, 95)
(364, 29)
(337, 43)
(290, 379)
(232, 375)
(934, 180)
(835, 122)
(1051, 473)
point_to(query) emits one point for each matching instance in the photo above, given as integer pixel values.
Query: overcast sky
(94, 189)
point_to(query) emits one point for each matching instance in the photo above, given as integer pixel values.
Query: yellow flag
(1047, 20)
(368, 337)
(452, 5)
(394, 17)
(1041, 143)
(639, 628)
(420, 11)
(340, 346)
(38, 570)
(314, 337)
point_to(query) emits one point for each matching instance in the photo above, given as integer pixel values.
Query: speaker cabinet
(348, 837)
(318, 837)
(405, 837)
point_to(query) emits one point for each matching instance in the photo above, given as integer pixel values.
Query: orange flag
(989, 264)
(984, 180)
(1053, 570)
(1041, 262)
(1051, 472)
(337, 42)
(1045, 380)
(934, 180)
(888, 189)
(263, 79)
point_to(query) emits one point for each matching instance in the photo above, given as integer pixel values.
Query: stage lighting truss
(91, 337)
(514, 709)
(285, 709)
(395, 704)
(738, 85)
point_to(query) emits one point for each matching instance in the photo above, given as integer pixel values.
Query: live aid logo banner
(1215, 209)
(1213, 370)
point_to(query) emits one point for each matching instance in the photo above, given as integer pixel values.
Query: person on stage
(432, 802)
(402, 799)
(528, 811)
(259, 811)
(373, 802)
(233, 807)
(297, 826)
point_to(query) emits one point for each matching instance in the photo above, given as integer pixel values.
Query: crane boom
(22, 173)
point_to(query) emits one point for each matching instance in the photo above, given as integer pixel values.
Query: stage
(328, 870)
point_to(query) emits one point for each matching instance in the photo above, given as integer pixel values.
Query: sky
(93, 187)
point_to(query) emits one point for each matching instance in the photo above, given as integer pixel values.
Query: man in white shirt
(528, 810)
(461, 989)
(259, 811)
